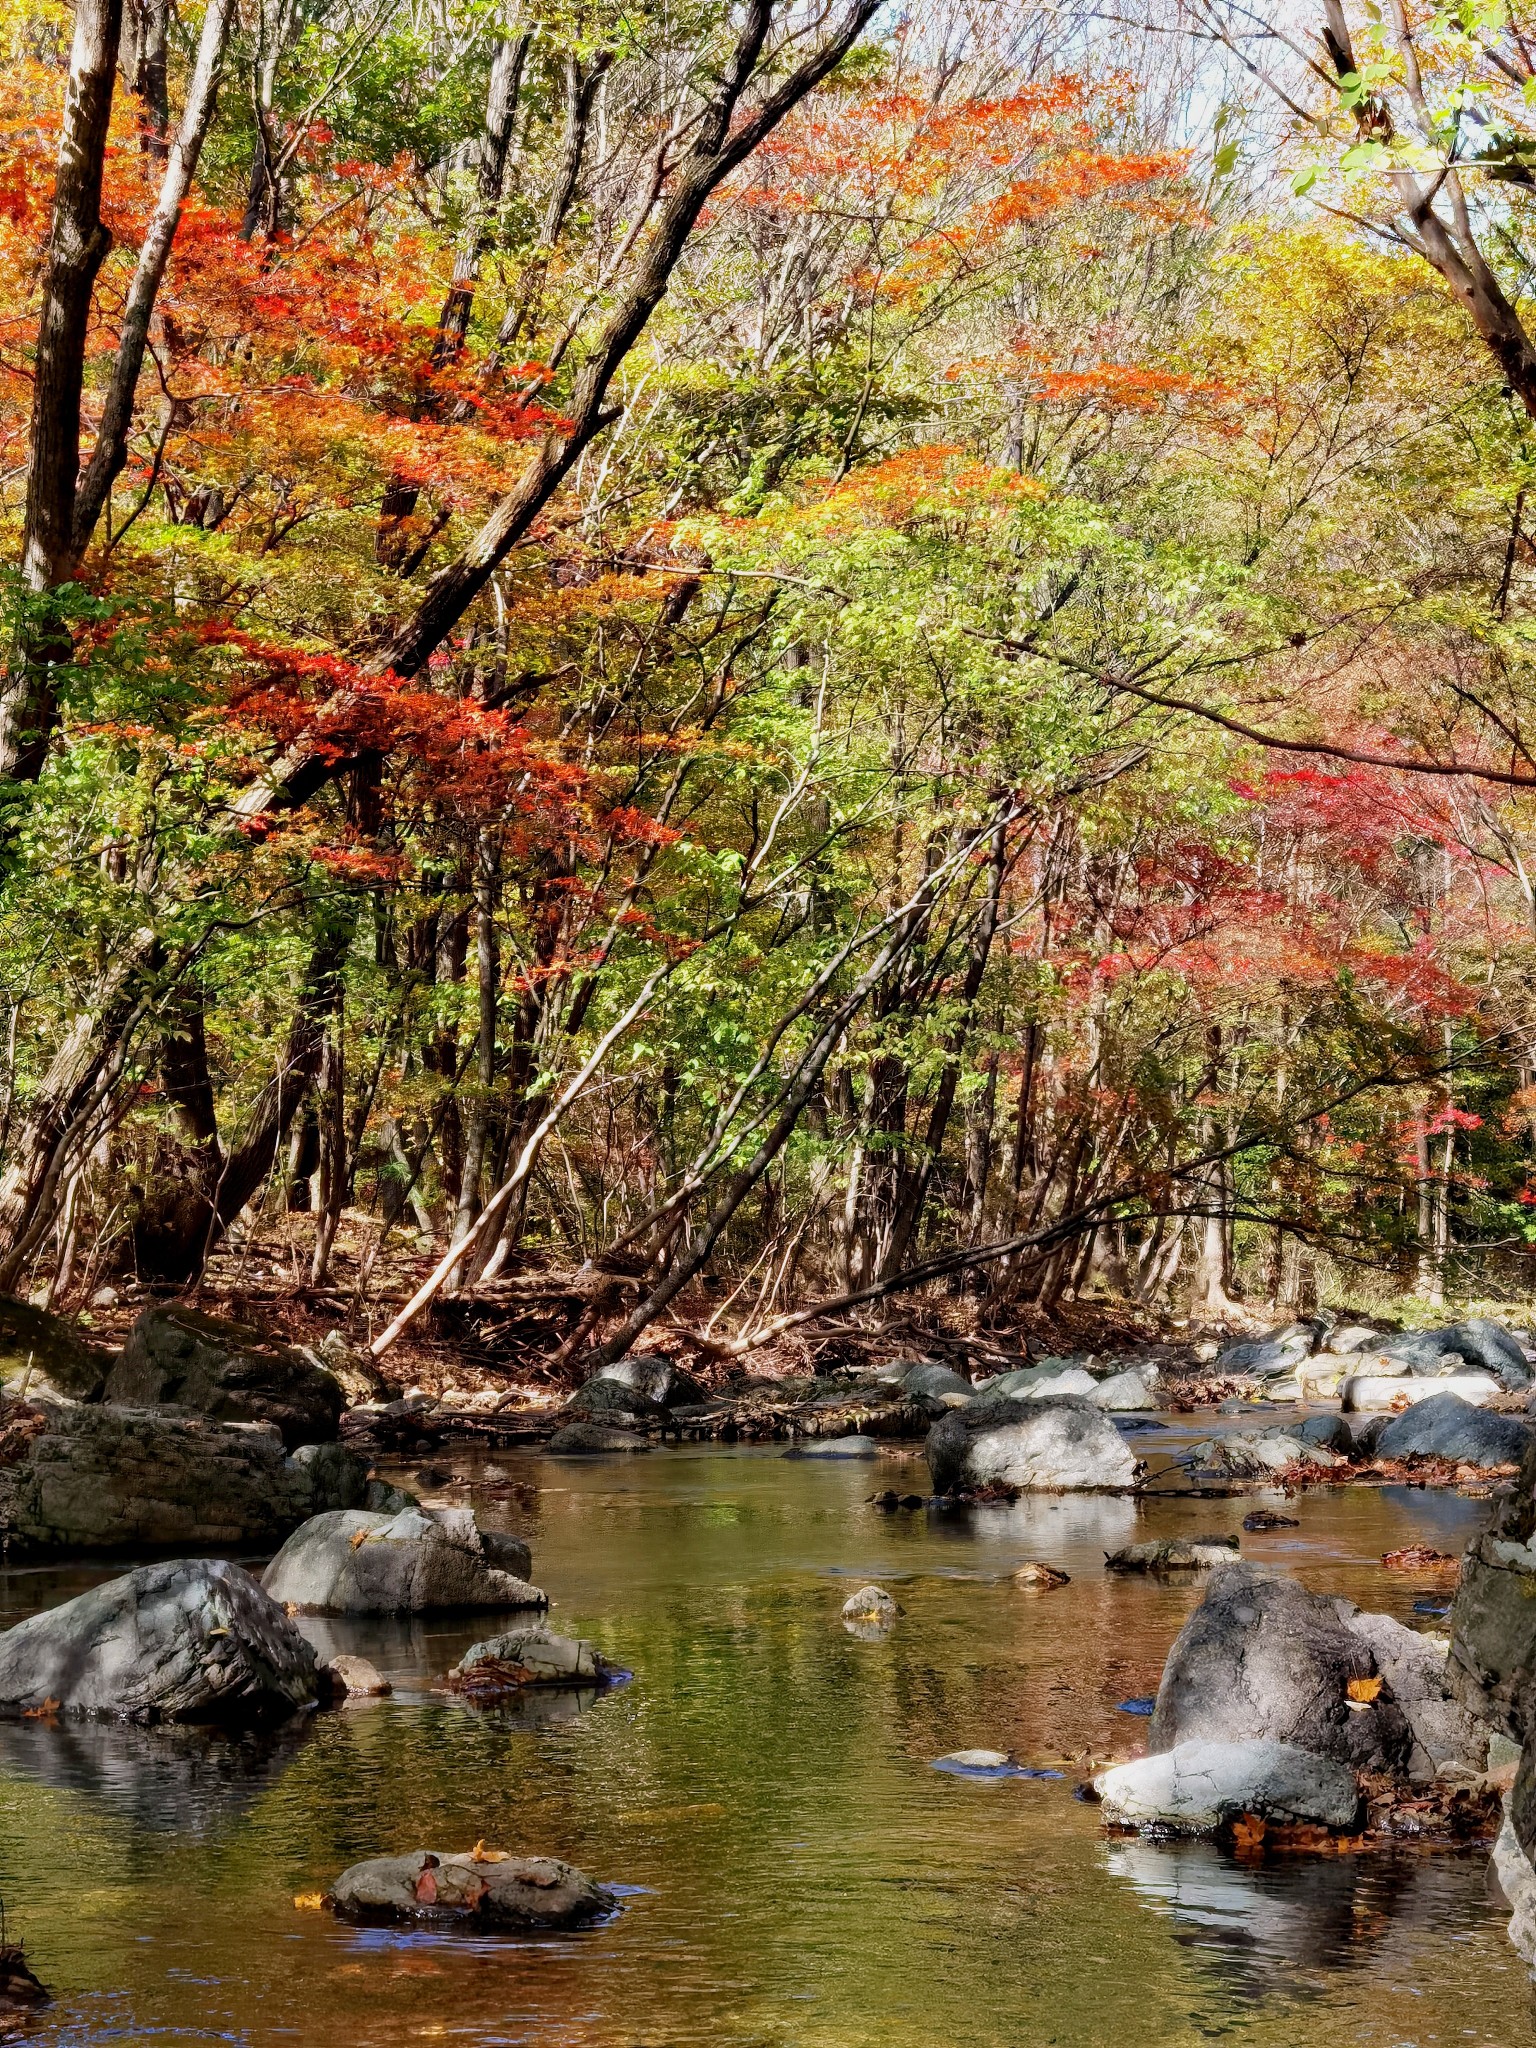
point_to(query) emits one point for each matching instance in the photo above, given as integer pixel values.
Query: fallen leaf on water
(49, 1707)
(1363, 1690)
(1248, 1831)
(308, 1901)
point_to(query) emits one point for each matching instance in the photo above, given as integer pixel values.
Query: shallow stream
(797, 1873)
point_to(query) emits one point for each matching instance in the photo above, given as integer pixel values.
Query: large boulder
(1166, 1556)
(195, 1640)
(1478, 1342)
(1448, 1427)
(100, 1478)
(177, 1357)
(612, 1404)
(1276, 1351)
(1263, 1660)
(1200, 1787)
(483, 1888)
(43, 1356)
(592, 1440)
(414, 1562)
(1493, 1618)
(1046, 1445)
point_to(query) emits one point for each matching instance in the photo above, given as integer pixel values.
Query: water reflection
(1269, 1927)
(168, 1780)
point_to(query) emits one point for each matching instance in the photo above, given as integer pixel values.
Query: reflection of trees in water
(1270, 1927)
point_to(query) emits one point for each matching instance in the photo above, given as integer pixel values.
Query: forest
(918, 658)
(770, 723)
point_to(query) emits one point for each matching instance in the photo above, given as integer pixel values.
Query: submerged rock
(414, 1562)
(1174, 1554)
(1445, 1426)
(483, 1888)
(1053, 1446)
(103, 1479)
(1262, 1659)
(42, 1355)
(195, 1640)
(178, 1357)
(1199, 1787)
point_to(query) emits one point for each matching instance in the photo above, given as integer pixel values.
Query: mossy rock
(47, 1354)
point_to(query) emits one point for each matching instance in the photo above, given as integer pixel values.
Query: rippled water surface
(797, 1872)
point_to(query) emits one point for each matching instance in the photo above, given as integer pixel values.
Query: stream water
(796, 1873)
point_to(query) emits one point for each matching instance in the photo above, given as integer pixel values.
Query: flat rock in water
(1037, 1574)
(1263, 1660)
(1174, 1554)
(193, 1640)
(1365, 1393)
(592, 1439)
(1053, 1446)
(531, 1894)
(835, 1447)
(415, 1562)
(177, 1357)
(41, 1354)
(1445, 1426)
(105, 1478)
(1198, 1788)
(535, 1655)
(1241, 1456)
(978, 1761)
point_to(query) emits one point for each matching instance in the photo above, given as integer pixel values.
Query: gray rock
(1415, 1668)
(532, 1894)
(1244, 1456)
(195, 1640)
(356, 1678)
(1072, 1379)
(177, 1357)
(1493, 1618)
(1479, 1342)
(1276, 1351)
(1263, 1660)
(835, 1447)
(1054, 1446)
(42, 1355)
(654, 1377)
(1355, 1337)
(1516, 1874)
(1445, 1426)
(870, 1603)
(592, 1439)
(1174, 1554)
(100, 1478)
(1127, 1393)
(936, 1388)
(415, 1562)
(1201, 1786)
(534, 1655)
(1331, 1432)
(612, 1403)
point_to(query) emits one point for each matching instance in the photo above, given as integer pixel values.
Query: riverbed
(795, 1874)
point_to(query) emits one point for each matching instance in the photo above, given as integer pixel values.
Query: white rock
(1073, 1381)
(1126, 1393)
(1199, 1786)
(1366, 1392)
